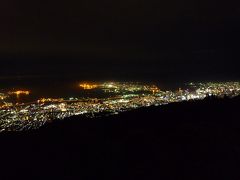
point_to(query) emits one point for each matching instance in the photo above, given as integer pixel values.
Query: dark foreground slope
(190, 140)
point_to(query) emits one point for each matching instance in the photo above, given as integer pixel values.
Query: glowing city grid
(124, 96)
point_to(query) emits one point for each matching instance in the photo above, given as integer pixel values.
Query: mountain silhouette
(186, 140)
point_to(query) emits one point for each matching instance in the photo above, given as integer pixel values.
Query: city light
(19, 92)
(122, 96)
(49, 100)
(3, 96)
(88, 86)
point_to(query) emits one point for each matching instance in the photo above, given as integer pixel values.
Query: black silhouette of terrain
(188, 140)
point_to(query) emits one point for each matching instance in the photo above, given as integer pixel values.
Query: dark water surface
(57, 87)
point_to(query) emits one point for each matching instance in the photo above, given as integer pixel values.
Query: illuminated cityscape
(120, 96)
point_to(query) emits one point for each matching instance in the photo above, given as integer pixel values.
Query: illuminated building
(62, 107)
(155, 89)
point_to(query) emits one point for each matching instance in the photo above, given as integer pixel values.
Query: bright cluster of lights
(155, 89)
(45, 100)
(2, 96)
(123, 96)
(19, 92)
(88, 86)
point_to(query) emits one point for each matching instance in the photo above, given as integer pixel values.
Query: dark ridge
(188, 140)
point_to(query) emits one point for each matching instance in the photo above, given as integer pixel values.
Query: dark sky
(127, 38)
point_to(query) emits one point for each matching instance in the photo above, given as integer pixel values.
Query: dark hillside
(189, 140)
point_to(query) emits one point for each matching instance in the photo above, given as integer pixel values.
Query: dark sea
(57, 87)
(67, 85)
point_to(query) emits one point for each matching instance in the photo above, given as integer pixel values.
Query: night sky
(151, 39)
